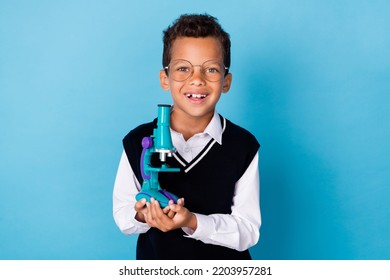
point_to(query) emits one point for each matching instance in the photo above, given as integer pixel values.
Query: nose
(197, 77)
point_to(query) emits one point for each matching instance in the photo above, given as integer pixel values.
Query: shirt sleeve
(241, 229)
(125, 189)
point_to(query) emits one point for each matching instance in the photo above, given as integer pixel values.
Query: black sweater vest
(207, 184)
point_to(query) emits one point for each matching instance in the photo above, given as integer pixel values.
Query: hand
(167, 209)
(141, 209)
(180, 216)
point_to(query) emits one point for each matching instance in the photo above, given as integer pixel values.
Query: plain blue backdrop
(311, 80)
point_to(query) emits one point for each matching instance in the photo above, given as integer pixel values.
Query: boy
(218, 214)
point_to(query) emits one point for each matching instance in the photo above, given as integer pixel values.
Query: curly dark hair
(197, 26)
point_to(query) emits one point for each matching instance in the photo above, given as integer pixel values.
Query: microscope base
(161, 196)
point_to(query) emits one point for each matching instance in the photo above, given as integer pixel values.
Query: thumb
(140, 204)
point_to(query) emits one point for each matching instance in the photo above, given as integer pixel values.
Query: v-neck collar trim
(189, 165)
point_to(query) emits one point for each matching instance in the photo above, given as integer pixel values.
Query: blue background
(311, 81)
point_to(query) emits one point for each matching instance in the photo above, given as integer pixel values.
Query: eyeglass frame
(166, 69)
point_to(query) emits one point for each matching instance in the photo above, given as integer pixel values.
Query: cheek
(176, 88)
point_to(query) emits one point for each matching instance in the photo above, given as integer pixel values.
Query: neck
(189, 126)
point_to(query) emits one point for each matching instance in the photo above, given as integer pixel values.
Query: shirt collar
(214, 128)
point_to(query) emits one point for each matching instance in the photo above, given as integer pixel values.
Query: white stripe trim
(203, 154)
(179, 160)
(224, 124)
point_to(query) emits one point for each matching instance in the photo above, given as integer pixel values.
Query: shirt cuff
(140, 225)
(205, 227)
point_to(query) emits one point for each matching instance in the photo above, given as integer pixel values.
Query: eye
(212, 67)
(183, 69)
(181, 66)
(212, 70)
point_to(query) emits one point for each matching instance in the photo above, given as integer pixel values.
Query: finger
(162, 221)
(177, 208)
(180, 201)
(171, 214)
(140, 204)
(166, 208)
(168, 211)
(155, 209)
(149, 216)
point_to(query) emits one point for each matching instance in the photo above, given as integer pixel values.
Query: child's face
(196, 96)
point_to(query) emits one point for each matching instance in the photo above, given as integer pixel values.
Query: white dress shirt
(238, 230)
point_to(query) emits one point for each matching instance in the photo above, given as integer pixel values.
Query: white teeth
(193, 95)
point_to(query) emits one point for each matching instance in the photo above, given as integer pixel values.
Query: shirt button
(186, 149)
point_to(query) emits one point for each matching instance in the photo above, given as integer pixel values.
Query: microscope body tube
(162, 134)
(160, 142)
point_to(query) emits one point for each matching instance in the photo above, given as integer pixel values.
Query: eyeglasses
(180, 70)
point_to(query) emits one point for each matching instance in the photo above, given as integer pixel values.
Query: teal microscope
(159, 142)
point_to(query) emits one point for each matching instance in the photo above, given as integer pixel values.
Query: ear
(164, 81)
(227, 81)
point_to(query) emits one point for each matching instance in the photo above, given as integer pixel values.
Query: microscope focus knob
(147, 142)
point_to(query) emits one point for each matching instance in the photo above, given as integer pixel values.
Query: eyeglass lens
(180, 70)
